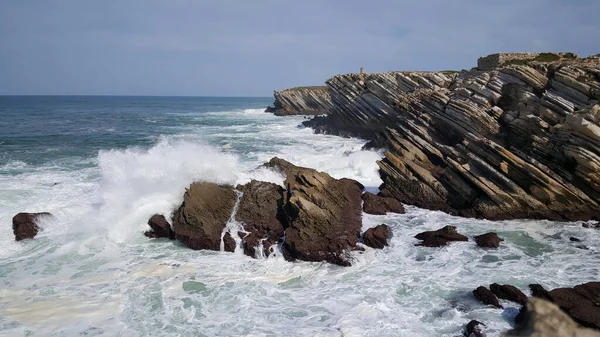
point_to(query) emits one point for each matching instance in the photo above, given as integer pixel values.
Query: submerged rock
(378, 205)
(25, 225)
(508, 292)
(473, 329)
(201, 218)
(485, 296)
(440, 237)
(544, 319)
(377, 237)
(323, 214)
(488, 240)
(160, 228)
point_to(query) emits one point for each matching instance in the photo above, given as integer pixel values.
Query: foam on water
(92, 272)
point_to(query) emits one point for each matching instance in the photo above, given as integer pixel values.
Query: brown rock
(488, 240)
(539, 292)
(25, 225)
(201, 218)
(377, 237)
(440, 237)
(485, 296)
(252, 241)
(544, 319)
(260, 208)
(473, 329)
(228, 243)
(508, 292)
(374, 204)
(323, 213)
(160, 228)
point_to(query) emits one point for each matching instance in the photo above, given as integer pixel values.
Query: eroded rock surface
(440, 237)
(379, 205)
(378, 236)
(160, 227)
(201, 218)
(302, 101)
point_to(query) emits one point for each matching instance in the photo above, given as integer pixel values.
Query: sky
(252, 47)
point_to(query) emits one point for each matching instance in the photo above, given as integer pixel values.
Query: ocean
(103, 165)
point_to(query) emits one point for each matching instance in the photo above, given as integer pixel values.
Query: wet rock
(581, 303)
(378, 205)
(261, 208)
(488, 240)
(440, 237)
(252, 242)
(323, 213)
(228, 243)
(25, 225)
(201, 218)
(538, 291)
(160, 228)
(574, 239)
(485, 296)
(508, 292)
(595, 225)
(473, 329)
(544, 319)
(377, 237)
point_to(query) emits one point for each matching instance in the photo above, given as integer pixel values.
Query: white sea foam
(92, 272)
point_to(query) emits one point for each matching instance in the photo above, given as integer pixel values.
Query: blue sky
(252, 47)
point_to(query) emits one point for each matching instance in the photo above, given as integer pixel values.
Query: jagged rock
(485, 296)
(508, 292)
(580, 302)
(228, 243)
(544, 319)
(378, 205)
(488, 240)
(201, 218)
(440, 237)
(160, 228)
(538, 291)
(520, 139)
(25, 225)
(574, 239)
(473, 329)
(323, 213)
(377, 237)
(261, 209)
(301, 101)
(253, 240)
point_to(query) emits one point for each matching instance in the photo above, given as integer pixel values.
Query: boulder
(252, 241)
(508, 292)
(473, 329)
(229, 243)
(538, 291)
(580, 302)
(199, 221)
(323, 214)
(544, 319)
(440, 237)
(378, 205)
(261, 208)
(160, 227)
(25, 225)
(488, 240)
(485, 296)
(377, 237)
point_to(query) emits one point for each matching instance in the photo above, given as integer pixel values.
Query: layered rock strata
(302, 101)
(521, 140)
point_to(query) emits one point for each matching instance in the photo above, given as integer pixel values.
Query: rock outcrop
(323, 214)
(485, 296)
(488, 240)
(581, 302)
(380, 205)
(521, 140)
(378, 236)
(201, 218)
(440, 237)
(25, 225)
(544, 319)
(302, 101)
(508, 292)
(160, 228)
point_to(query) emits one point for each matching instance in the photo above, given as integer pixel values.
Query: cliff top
(313, 87)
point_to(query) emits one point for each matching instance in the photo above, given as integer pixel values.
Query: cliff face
(302, 101)
(519, 141)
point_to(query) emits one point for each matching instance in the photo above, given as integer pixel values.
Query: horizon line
(109, 95)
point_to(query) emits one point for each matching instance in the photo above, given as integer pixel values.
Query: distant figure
(362, 71)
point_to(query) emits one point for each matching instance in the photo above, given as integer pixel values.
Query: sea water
(104, 165)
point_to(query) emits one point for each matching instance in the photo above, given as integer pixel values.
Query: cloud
(239, 47)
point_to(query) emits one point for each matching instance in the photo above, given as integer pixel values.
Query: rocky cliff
(521, 140)
(302, 101)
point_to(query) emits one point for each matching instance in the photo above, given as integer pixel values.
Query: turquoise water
(104, 165)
